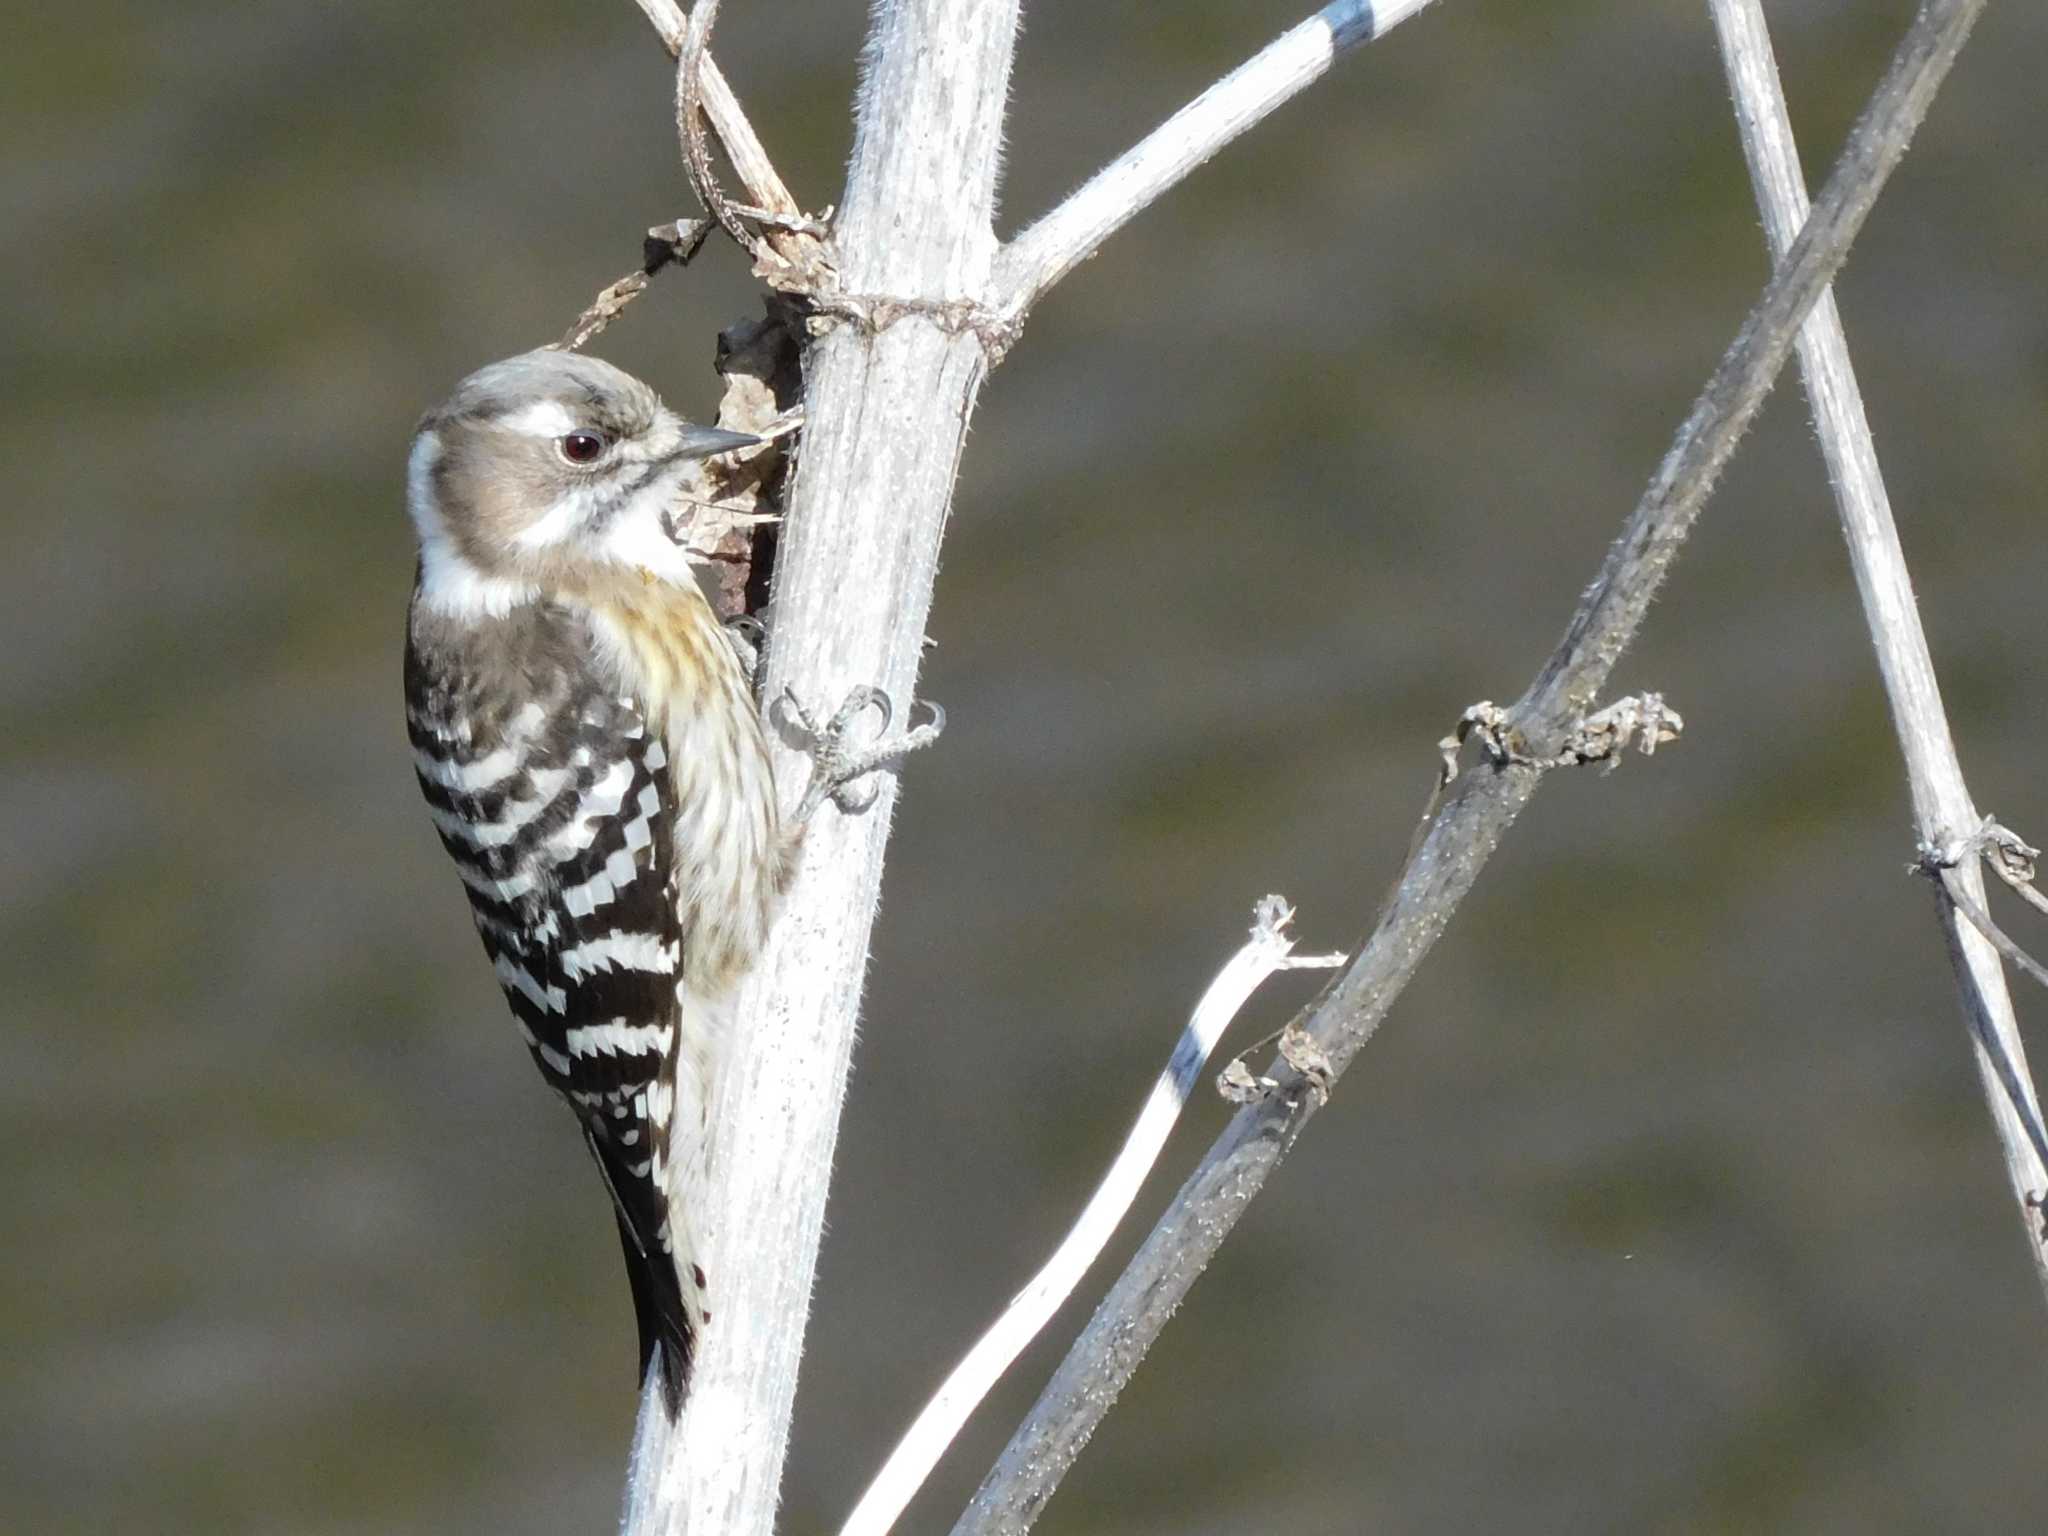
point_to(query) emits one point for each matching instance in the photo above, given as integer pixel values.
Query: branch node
(1299, 1050)
(1601, 737)
(1488, 722)
(817, 225)
(1272, 915)
(873, 313)
(2010, 856)
(2011, 859)
(1934, 858)
(1240, 1085)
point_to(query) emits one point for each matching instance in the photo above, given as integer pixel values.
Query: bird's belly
(672, 653)
(728, 840)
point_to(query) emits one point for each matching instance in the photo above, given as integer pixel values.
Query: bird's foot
(837, 765)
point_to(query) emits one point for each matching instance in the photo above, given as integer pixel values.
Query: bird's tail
(667, 1336)
(668, 1330)
(656, 1185)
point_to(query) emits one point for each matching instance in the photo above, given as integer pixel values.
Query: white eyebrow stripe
(543, 418)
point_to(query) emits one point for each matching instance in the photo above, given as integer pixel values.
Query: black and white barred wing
(561, 829)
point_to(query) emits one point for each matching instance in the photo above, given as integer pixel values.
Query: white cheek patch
(564, 521)
(449, 584)
(636, 539)
(544, 418)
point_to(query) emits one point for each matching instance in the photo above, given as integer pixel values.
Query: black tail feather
(664, 1323)
(667, 1337)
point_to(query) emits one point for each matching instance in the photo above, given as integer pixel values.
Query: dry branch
(743, 146)
(1942, 808)
(885, 414)
(1051, 248)
(1268, 950)
(1461, 835)
(674, 244)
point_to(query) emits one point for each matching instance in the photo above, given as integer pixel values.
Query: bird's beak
(708, 442)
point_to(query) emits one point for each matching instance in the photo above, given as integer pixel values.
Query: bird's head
(550, 474)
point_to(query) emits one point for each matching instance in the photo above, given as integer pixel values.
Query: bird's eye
(583, 447)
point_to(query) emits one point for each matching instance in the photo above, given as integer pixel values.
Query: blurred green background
(1665, 1201)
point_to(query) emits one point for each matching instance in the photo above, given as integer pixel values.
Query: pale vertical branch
(1942, 808)
(1459, 836)
(886, 411)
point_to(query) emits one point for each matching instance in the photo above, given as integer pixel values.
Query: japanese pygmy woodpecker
(590, 749)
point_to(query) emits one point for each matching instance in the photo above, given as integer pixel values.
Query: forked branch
(789, 251)
(1051, 248)
(1269, 949)
(1459, 837)
(743, 146)
(1942, 808)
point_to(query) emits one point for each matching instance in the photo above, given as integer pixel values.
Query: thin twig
(1941, 799)
(791, 254)
(1268, 950)
(2006, 945)
(817, 225)
(1461, 835)
(690, 126)
(2012, 860)
(743, 146)
(2016, 1089)
(1051, 248)
(666, 245)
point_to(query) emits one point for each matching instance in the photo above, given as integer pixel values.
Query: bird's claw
(748, 637)
(837, 767)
